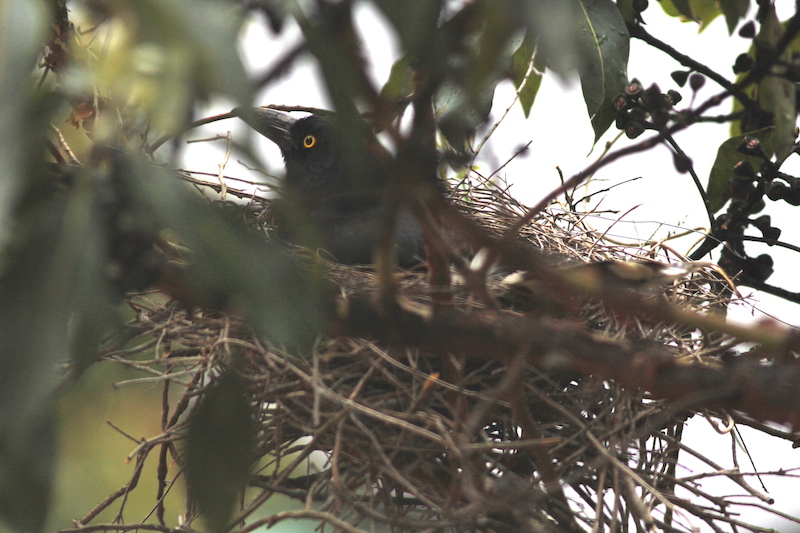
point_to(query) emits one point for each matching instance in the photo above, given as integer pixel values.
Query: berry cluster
(639, 109)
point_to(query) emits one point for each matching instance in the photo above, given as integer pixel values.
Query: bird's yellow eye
(309, 141)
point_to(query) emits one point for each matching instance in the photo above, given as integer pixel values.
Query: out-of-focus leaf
(23, 26)
(31, 344)
(464, 99)
(718, 190)
(160, 56)
(678, 8)
(209, 29)
(400, 83)
(776, 95)
(220, 449)
(281, 298)
(605, 41)
(526, 87)
(734, 11)
(415, 22)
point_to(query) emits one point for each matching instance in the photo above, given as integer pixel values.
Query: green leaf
(527, 87)
(734, 11)
(400, 84)
(220, 449)
(605, 42)
(33, 327)
(280, 297)
(718, 190)
(416, 23)
(211, 28)
(464, 99)
(678, 8)
(776, 94)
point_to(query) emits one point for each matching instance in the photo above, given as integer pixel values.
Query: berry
(748, 30)
(696, 81)
(680, 77)
(743, 63)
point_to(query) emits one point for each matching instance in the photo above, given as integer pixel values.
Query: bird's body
(334, 194)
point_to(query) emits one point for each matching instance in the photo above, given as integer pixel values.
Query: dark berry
(776, 191)
(634, 129)
(674, 96)
(682, 162)
(680, 77)
(744, 169)
(621, 102)
(751, 146)
(748, 30)
(696, 81)
(743, 63)
(634, 88)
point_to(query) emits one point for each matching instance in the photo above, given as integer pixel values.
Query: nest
(388, 437)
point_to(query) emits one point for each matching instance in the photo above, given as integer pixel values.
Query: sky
(660, 201)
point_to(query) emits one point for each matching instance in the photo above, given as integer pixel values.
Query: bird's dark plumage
(340, 189)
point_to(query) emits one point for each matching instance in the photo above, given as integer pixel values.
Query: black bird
(336, 192)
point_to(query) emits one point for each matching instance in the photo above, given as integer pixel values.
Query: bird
(333, 191)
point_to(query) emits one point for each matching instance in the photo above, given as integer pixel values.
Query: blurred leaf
(23, 26)
(734, 11)
(718, 190)
(32, 344)
(464, 98)
(416, 23)
(776, 95)
(400, 83)
(526, 87)
(605, 42)
(280, 297)
(220, 449)
(678, 8)
(209, 29)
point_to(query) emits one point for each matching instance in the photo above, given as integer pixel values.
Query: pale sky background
(662, 200)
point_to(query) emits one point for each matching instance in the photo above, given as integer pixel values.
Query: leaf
(734, 11)
(718, 190)
(415, 22)
(210, 30)
(604, 40)
(678, 8)
(400, 84)
(527, 87)
(33, 333)
(280, 297)
(464, 99)
(220, 449)
(776, 94)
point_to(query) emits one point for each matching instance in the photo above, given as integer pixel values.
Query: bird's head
(315, 154)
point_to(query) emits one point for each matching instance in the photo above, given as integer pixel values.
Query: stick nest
(375, 436)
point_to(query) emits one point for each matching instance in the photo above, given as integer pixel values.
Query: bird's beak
(271, 123)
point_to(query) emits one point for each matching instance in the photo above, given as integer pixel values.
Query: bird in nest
(333, 200)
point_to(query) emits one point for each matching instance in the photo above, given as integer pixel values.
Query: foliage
(85, 221)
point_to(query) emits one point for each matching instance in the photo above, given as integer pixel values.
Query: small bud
(682, 162)
(634, 129)
(621, 102)
(743, 63)
(634, 88)
(776, 191)
(680, 77)
(674, 96)
(696, 81)
(744, 169)
(751, 146)
(640, 5)
(748, 30)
